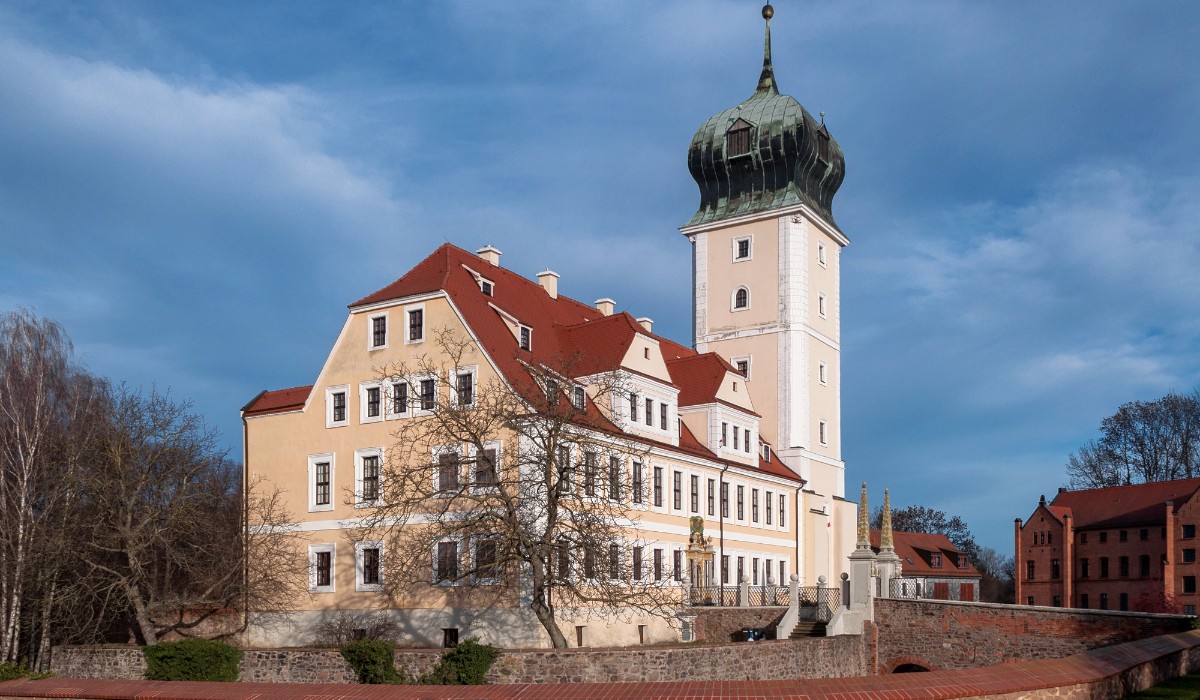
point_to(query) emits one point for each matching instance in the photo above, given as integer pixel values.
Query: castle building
(721, 462)
(1115, 548)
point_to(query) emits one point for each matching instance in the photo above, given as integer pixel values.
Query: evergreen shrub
(373, 661)
(192, 660)
(465, 664)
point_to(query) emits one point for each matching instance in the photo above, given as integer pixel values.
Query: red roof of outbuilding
(278, 401)
(1112, 506)
(915, 548)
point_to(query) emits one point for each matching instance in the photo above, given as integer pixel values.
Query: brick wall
(807, 658)
(722, 624)
(945, 635)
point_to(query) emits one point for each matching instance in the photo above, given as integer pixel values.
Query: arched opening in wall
(910, 668)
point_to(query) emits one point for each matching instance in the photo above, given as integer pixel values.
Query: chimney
(489, 254)
(646, 322)
(549, 281)
(606, 306)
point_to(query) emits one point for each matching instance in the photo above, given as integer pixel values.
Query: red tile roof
(1113, 506)
(915, 548)
(278, 401)
(567, 336)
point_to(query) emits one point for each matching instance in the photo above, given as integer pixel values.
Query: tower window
(741, 298)
(741, 248)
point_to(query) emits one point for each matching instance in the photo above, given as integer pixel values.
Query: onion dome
(765, 153)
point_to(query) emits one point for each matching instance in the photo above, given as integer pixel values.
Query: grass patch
(1185, 687)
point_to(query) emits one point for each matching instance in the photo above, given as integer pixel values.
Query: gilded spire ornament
(864, 531)
(885, 537)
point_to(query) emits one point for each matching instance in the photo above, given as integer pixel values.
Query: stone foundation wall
(806, 658)
(719, 625)
(946, 635)
(122, 663)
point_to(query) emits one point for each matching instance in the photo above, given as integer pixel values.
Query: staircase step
(807, 629)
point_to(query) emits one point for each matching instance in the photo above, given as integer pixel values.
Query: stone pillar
(862, 562)
(744, 591)
(887, 563)
(794, 591)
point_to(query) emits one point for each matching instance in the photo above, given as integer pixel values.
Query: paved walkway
(1016, 677)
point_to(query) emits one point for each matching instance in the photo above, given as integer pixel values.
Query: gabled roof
(915, 550)
(1113, 506)
(699, 377)
(568, 337)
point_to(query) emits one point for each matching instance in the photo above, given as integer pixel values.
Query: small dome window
(737, 139)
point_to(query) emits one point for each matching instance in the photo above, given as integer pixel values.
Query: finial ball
(768, 11)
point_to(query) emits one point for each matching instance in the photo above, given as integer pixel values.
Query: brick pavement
(1110, 670)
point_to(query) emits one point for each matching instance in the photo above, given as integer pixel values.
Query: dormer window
(526, 337)
(485, 287)
(579, 398)
(737, 139)
(766, 453)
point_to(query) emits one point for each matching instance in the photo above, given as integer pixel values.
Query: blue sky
(196, 190)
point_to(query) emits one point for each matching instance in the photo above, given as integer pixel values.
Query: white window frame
(823, 432)
(681, 474)
(733, 307)
(472, 456)
(390, 399)
(473, 554)
(416, 408)
(313, 549)
(363, 388)
(359, 455)
(313, 460)
(329, 392)
(433, 573)
(821, 258)
(358, 566)
(387, 331)
(452, 376)
(579, 397)
(823, 373)
(623, 477)
(739, 489)
(749, 248)
(408, 339)
(438, 491)
(521, 328)
(821, 310)
(749, 365)
(665, 485)
(683, 568)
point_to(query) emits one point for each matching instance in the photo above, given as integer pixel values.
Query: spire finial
(885, 537)
(766, 81)
(864, 531)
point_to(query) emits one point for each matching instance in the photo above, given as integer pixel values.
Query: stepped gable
(1114, 506)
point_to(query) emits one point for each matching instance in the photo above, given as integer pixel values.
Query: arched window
(741, 298)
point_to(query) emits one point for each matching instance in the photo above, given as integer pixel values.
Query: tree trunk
(141, 616)
(545, 615)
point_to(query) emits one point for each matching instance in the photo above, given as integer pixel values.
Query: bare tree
(499, 489)
(930, 520)
(997, 571)
(166, 525)
(1143, 441)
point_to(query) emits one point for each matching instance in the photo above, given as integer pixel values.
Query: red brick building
(1116, 548)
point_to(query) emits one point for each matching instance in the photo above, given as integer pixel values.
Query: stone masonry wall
(122, 663)
(945, 635)
(818, 657)
(806, 658)
(719, 625)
